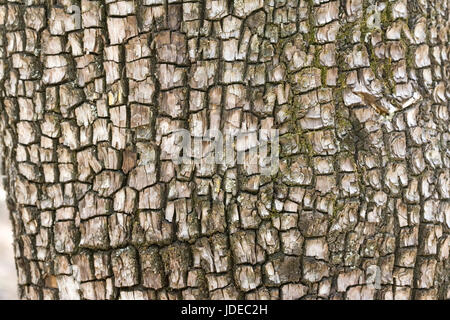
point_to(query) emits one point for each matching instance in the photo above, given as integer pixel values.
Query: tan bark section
(358, 90)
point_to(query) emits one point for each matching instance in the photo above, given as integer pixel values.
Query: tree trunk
(357, 207)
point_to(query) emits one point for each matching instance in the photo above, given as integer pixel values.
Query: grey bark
(359, 91)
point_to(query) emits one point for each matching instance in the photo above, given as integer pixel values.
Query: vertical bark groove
(94, 92)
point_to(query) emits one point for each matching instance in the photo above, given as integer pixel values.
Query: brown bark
(360, 205)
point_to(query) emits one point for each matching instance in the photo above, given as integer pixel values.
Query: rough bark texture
(358, 90)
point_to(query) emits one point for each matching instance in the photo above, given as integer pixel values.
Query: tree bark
(92, 94)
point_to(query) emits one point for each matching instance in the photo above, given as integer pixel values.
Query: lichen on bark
(92, 94)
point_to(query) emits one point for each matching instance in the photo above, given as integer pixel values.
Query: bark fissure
(93, 93)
